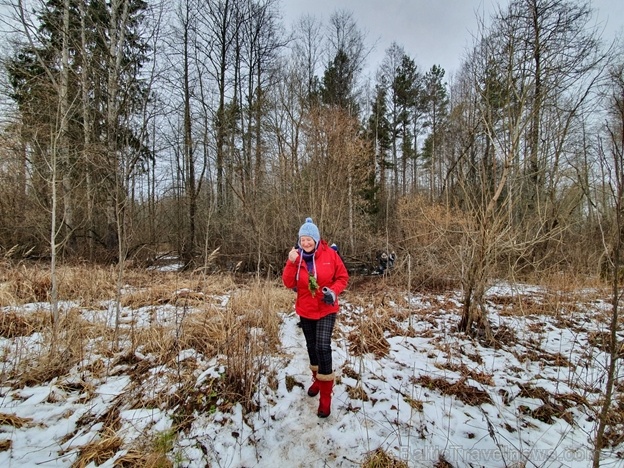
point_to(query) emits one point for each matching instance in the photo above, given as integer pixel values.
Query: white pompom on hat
(309, 229)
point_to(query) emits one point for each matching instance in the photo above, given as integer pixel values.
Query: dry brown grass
(555, 405)
(538, 355)
(568, 283)
(243, 333)
(6, 295)
(14, 421)
(348, 371)
(379, 458)
(24, 284)
(251, 336)
(602, 341)
(13, 324)
(374, 322)
(156, 340)
(107, 443)
(58, 354)
(27, 283)
(417, 405)
(250, 319)
(177, 281)
(88, 284)
(211, 330)
(43, 370)
(544, 304)
(520, 305)
(561, 296)
(142, 459)
(205, 331)
(464, 371)
(442, 462)
(375, 290)
(369, 337)
(155, 295)
(148, 453)
(183, 292)
(463, 392)
(614, 434)
(258, 307)
(357, 393)
(99, 451)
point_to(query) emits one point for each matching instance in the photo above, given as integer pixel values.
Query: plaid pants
(318, 335)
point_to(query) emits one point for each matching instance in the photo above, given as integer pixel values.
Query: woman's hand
(293, 255)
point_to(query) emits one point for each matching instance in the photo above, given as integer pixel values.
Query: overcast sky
(432, 32)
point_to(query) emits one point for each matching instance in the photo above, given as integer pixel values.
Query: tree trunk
(188, 150)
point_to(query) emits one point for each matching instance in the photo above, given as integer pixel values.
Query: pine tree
(337, 88)
(436, 103)
(36, 73)
(378, 131)
(405, 94)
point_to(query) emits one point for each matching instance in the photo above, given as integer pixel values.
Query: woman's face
(307, 243)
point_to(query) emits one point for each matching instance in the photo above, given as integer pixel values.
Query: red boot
(314, 388)
(326, 384)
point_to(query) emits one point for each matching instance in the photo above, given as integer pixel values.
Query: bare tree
(612, 163)
(307, 52)
(56, 130)
(557, 58)
(186, 15)
(222, 22)
(344, 35)
(335, 173)
(489, 127)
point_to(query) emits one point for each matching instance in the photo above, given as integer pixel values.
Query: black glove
(329, 296)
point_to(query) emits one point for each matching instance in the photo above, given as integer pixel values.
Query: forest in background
(207, 131)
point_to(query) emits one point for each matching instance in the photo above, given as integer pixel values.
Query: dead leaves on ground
(462, 391)
(465, 372)
(554, 405)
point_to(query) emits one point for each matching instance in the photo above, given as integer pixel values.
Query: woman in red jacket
(316, 272)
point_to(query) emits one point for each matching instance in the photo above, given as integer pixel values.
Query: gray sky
(432, 32)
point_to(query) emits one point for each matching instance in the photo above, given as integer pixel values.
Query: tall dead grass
(234, 321)
(150, 288)
(28, 283)
(52, 355)
(251, 335)
(560, 295)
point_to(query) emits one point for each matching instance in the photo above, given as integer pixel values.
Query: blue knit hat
(309, 229)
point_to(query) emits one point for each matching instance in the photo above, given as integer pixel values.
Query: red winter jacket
(330, 272)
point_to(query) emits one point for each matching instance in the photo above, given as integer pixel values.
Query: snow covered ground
(425, 395)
